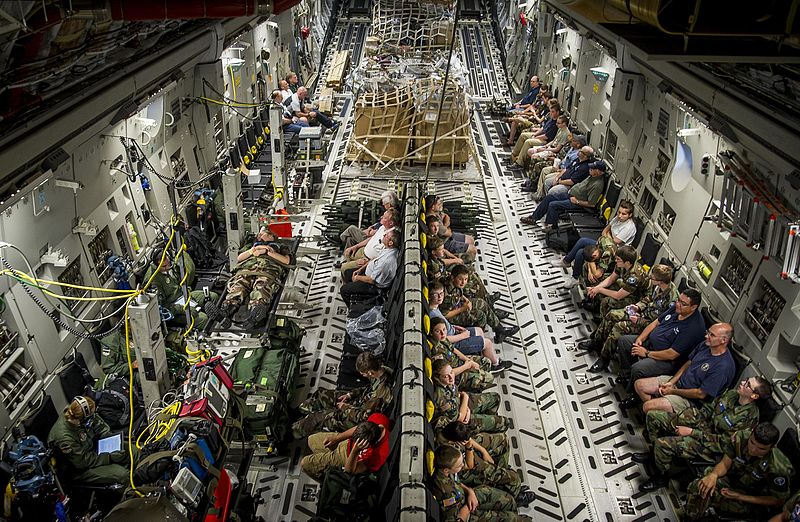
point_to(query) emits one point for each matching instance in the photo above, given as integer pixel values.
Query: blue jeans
(576, 255)
(295, 127)
(552, 206)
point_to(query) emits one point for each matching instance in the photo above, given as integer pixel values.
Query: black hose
(52, 314)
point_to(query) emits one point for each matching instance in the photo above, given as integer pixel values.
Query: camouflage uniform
(76, 456)
(616, 323)
(712, 425)
(325, 399)
(437, 271)
(471, 380)
(501, 477)
(480, 315)
(608, 250)
(114, 355)
(324, 415)
(495, 443)
(766, 476)
(475, 289)
(792, 507)
(493, 504)
(483, 408)
(258, 276)
(635, 281)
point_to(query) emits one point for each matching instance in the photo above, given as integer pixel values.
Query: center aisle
(570, 440)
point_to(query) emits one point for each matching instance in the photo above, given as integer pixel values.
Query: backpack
(113, 404)
(561, 240)
(347, 497)
(200, 250)
(265, 408)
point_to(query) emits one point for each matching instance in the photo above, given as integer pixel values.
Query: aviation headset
(85, 408)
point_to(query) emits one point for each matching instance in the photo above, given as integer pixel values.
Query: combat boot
(525, 498)
(215, 313)
(501, 332)
(257, 315)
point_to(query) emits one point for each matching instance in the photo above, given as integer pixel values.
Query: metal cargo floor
(570, 442)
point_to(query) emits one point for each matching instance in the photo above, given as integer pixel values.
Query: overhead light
(600, 74)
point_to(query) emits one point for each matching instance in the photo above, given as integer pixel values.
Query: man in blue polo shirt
(528, 98)
(708, 372)
(663, 345)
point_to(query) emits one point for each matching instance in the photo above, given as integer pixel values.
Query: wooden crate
(382, 131)
(454, 136)
(327, 100)
(338, 71)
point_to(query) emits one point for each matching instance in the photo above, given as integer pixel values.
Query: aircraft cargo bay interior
(400, 260)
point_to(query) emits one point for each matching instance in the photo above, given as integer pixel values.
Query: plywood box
(327, 100)
(338, 71)
(382, 126)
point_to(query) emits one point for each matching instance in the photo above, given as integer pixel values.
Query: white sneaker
(559, 263)
(570, 281)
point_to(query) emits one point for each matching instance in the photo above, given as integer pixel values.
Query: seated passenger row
(470, 475)
(669, 360)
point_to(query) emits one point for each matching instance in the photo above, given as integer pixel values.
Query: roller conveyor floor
(570, 442)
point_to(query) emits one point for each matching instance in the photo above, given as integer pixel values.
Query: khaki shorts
(678, 403)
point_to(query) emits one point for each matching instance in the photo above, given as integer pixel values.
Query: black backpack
(347, 497)
(113, 405)
(200, 250)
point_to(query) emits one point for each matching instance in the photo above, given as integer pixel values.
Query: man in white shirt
(621, 231)
(359, 254)
(376, 274)
(286, 93)
(297, 105)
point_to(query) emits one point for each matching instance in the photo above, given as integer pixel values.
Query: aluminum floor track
(570, 441)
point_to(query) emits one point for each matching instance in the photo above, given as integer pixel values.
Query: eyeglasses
(746, 384)
(684, 303)
(440, 292)
(711, 334)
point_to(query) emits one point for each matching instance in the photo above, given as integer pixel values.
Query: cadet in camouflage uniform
(480, 468)
(337, 410)
(472, 373)
(701, 432)
(791, 510)
(73, 438)
(439, 270)
(628, 284)
(453, 247)
(465, 311)
(618, 323)
(752, 468)
(458, 500)
(478, 410)
(370, 367)
(495, 443)
(167, 284)
(258, 273)
(599, 259)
